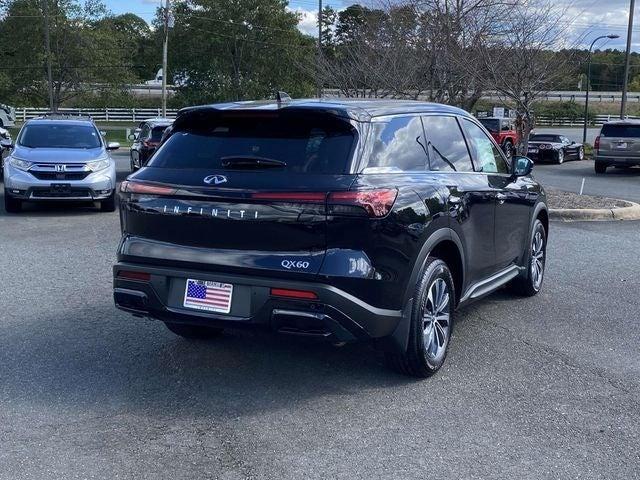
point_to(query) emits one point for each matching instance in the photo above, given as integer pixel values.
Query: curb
(632, 212)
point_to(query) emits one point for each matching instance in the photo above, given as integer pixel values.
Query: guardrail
(99, 115)
(596, 121)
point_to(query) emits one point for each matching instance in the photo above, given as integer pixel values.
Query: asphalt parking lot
(546, 387)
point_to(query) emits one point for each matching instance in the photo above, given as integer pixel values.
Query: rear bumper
(619, 161)
(336, 315)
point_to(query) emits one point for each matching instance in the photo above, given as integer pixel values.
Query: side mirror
(6, 143)
(103, 133)
(113, 146)
(131, 136)
(522, 166)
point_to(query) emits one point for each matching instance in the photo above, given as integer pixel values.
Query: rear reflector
(131, 275)
(285, 292)
(145, 188)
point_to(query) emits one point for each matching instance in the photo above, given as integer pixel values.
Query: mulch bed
(559, 199)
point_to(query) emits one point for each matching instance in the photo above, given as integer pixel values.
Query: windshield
(544, 138)
(493, 125)
(297, 144)
(624, 131)
(52, 135)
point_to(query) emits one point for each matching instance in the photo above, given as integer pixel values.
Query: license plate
(533, 150)
(208, 296)
(622, 146)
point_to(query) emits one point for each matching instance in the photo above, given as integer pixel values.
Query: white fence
(98, 114)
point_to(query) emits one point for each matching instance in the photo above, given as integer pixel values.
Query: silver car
(59, 158)
(618, 145)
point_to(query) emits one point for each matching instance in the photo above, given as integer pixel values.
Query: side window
(487, 156)
(396, 144)
(448, 149)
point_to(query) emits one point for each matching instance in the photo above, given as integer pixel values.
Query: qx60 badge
(215, 179)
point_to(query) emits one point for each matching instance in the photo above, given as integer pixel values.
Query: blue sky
(591, 18)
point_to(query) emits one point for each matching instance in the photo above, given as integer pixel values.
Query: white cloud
(308, 20)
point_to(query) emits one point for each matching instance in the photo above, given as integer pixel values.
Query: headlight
(20, 164)
(97, 165)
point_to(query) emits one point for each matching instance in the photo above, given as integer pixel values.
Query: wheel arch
(443, 242)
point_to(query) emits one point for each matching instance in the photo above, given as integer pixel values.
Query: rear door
(470, 194)
(247, 190)
(620, 140)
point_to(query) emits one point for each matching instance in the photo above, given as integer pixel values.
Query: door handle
(501, 198)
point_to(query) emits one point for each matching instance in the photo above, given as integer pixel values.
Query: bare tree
(522, 65)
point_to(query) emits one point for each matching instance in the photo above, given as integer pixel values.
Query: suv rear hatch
(620, 140)
(240, 190)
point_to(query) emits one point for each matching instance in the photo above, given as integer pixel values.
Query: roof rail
(65, 115)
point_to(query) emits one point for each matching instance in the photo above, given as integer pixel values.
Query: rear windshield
(52, 135)
(620, 131)
(156, 133)
(544, 138)
(306, 144)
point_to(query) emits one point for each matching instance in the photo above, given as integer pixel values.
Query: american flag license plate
(209, 296)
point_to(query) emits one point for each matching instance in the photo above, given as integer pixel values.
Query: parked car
(59, 158)
(504, 132)
(146, 139)
(5, 139)
(555, 148)
(7, 116)
(346, 220)
(617, 145)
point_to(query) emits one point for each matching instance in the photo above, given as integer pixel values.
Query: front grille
(60, 176)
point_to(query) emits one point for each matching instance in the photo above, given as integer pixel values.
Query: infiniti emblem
(215, 179)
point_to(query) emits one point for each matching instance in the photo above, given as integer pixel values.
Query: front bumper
(24, 186)
(336, 315)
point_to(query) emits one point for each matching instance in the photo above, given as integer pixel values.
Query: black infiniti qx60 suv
(345, 220)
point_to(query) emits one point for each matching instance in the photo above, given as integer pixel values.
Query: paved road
(537, 388)
(617, 183)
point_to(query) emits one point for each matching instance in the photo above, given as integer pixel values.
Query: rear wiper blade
(248, 161)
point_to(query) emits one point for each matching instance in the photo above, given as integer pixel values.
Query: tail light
(128, 186)
(374, 203)
(596, 144)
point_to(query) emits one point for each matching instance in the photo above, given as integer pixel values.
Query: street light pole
(165, 51)
(625, 84)
(319, 61)
(586, 100)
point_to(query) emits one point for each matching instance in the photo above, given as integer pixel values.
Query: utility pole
(625, 85)
(165, 50)
(319, 72)
(47, 48)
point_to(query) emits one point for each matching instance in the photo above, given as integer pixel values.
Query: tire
(507, 148)
(581, 153)
(11, 205)
(431, 323)
(193, 332)
(109, 205)
(560, 157)
(600, 167)
(530, 283)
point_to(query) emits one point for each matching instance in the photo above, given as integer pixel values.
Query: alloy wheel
(436, 319)
(537, 260)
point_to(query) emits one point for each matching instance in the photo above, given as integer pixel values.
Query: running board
(490, 284)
